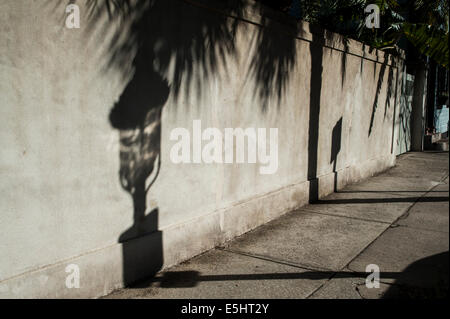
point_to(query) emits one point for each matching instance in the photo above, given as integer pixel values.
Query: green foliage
(429, 40)
(423, 22)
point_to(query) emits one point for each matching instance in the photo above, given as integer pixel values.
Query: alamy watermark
(373, 280)
(373, 19)
(73, 279)
(73, 18)
(220, 146)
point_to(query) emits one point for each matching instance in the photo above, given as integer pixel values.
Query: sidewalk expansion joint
(419, 228)
(343, 216)
(392, 225)
(406, 214)
(279, 261)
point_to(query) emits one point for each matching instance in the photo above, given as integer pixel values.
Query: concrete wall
(86, 129)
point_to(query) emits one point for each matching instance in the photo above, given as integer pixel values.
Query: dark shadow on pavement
(425, 278)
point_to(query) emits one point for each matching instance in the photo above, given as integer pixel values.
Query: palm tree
(423, 23)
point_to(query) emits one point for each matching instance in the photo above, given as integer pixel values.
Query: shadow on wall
(336, 137)
(316, 53)
(137, 116)
(389, 89)
(189, 40)
(174, 46)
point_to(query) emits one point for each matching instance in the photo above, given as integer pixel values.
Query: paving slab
(413, 173)
(430, 212)
(397, 220)
(311, 240)
(342, 285)
(408, 256)
(395, 185)
(376, 206)
(220, 274)
(443, 187)
(393, 291)
(434, 164)
(427, 216)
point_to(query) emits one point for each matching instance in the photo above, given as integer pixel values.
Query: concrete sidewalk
(398, 220)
